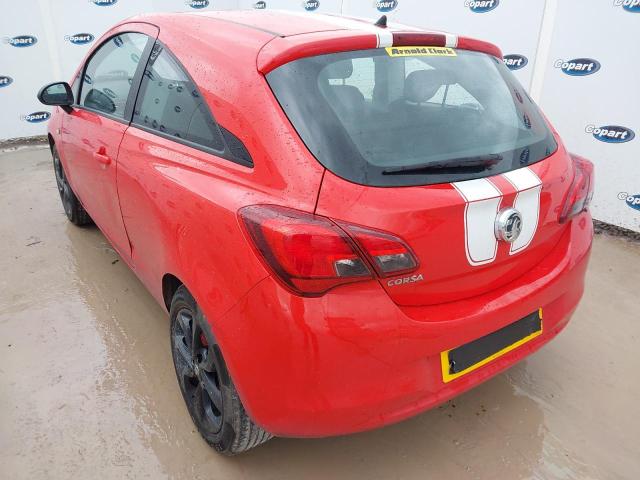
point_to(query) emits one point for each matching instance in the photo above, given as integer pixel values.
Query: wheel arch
(170, 283)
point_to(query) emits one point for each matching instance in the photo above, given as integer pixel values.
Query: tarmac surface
(88, 390)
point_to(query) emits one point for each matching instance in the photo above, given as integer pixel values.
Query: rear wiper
(455, 165)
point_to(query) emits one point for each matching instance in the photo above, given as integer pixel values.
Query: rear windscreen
(411, 115)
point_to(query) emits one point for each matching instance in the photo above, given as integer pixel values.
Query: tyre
(207, 388)
(72, 207)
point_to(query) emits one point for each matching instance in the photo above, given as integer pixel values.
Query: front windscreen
(411, 115)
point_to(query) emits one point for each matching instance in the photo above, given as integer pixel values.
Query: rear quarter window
(170, 103)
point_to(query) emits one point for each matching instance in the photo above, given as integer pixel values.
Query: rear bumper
(353, 360)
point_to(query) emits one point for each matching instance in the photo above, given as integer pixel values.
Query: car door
(172, 157)
(93, 130)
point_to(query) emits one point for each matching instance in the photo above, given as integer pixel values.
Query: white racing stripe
(482, 202)
(384, 35)
(527, 202)
(522, 178)
(451, 40)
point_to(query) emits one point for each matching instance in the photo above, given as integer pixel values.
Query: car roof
(280, 23)
(279, 36)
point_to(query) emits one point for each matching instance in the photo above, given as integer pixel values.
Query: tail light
(581, 189)
(389, 254)
(311, 254)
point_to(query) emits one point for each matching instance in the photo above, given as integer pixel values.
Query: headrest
(421, 85)
(347, 101)
(339, 70)
(348, 94)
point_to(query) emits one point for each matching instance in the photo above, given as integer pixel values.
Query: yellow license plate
(471, 356)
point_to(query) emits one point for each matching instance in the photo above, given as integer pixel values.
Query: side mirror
(57, 94)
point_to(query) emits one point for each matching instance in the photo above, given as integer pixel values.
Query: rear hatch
(453, 238)
(437, 146)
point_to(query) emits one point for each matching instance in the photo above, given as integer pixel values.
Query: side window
(170, 103)
(108, 76)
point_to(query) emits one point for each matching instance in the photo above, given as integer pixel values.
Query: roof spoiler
(281, 50)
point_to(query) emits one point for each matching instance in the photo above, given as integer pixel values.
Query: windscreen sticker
(421, 52)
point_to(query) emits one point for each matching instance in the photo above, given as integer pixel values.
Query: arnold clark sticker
(421, 52)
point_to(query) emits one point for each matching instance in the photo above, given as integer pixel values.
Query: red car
(349, 223)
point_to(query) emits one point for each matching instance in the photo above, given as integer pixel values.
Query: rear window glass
(378, 118)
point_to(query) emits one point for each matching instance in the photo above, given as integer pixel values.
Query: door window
(109, 74)
(170, 103)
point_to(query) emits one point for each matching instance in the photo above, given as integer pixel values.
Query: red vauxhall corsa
(349, 223)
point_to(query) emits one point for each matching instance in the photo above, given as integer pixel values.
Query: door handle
(102, 157)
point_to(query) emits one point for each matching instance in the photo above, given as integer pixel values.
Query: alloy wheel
(64, 189)
(197, 371)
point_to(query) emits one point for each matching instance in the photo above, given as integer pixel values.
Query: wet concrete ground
(87, 388)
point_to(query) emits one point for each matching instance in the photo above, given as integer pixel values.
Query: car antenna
(382, 22)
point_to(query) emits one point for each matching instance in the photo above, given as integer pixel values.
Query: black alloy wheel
(72, 207)
(196, 370)
(63, 185)
(208, 391)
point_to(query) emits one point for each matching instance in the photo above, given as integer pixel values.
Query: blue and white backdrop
(575, 57)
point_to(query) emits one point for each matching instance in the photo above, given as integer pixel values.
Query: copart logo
(5, 81)
(104, 3)
(260, 5)
(311, 5)
(515, 61)
(197, 3)
(404, 280)
(578, 67)
(36, 117)
(628, 5)
(481, 6)
(385, 5)
(632, 200)
(80, 38)
(21, 41)
(611, 133)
